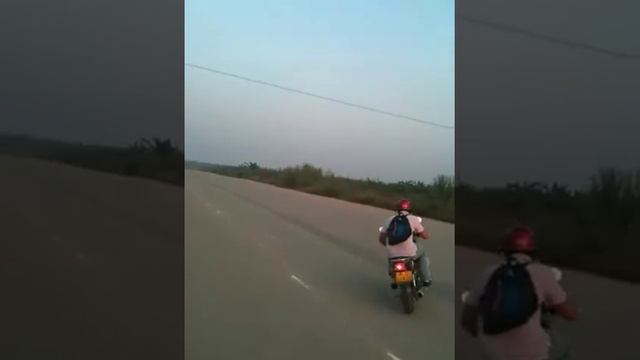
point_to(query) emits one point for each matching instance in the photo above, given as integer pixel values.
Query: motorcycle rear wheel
(407, 298)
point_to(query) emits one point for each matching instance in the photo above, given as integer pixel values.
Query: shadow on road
(444, 290)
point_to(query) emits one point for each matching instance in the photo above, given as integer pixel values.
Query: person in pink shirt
(529, 340)
(409, 247)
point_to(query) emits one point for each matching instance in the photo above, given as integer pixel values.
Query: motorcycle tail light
(399, 266)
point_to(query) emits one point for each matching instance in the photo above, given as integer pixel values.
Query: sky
(99, 72)
(393, 56)
(534, 110)
(525, 109)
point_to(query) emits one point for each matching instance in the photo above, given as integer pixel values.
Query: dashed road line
(389, 354)
(299, 281)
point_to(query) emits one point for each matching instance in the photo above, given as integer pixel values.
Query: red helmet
(519, 239)
(404, 205)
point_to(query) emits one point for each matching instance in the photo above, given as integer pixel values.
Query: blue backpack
(399, 229)
(509, 299)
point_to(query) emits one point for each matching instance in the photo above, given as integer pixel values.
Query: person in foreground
(397, 235)
(504, 308)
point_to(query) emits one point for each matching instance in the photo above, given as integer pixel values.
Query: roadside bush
(435, 200)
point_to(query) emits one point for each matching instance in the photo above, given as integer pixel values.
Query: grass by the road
(435, 200)
(154, 159)
(595, 230)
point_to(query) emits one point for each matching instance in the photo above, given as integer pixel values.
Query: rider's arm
(555, 295)
(469, 319)
(382, 238)
(470, 312)
(420, 231)
(567, 310)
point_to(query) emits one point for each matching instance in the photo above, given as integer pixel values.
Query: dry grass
(435, 200)
(595, 230)
(154, 159)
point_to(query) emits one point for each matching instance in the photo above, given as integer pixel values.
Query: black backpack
(509, 298)
(399, 229)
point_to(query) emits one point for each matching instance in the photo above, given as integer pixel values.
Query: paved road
(277, 274)
(267, 277)
(607, 329)
(92, 264)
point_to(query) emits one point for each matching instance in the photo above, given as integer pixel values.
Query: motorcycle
(559, 348)
(405, 275)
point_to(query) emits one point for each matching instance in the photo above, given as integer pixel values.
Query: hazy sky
(530, 109)
(395, 56)
(99, 72)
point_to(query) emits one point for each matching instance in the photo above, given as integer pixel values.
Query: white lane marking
(393, 356)
(299, 281)
(213, 209)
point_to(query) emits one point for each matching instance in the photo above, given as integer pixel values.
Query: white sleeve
(478, 286)
(386, 224)
(416, 225)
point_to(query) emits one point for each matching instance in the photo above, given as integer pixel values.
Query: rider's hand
(567, 310)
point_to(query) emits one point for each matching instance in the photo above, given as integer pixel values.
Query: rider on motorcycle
(528, 341)
(409, 247)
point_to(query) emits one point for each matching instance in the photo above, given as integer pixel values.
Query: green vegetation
(595, 230)
(435, 200)
(155, 159)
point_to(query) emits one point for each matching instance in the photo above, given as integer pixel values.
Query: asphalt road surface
(92, 264)
(278, 274)
(93, 268)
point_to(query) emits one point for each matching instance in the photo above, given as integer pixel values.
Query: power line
(420, 121)
(552, 39)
